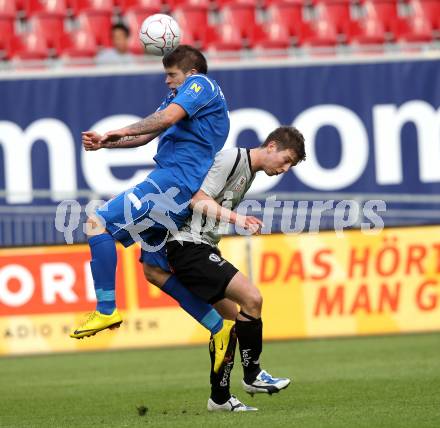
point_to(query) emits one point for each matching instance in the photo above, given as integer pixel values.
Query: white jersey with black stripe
(227, 182)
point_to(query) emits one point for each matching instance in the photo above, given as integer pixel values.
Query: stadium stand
(240, 26)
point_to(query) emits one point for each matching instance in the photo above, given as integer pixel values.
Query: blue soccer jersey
(188, 147)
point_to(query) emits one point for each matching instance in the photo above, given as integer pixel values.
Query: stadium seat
(98, 23)
(275, 36)
(50, 27)
(428, 9)
(321, 33)
(48, 7)
(135, 45)
(193, 19)
(6, 34)
(219, 4)
(173, 4)
(416, 29)
(153, 6)
(227, 38)
(103, 6)
(242, 17)
(30, 46)
(79, 44)
(336, 12)
(383, 11)
(8, 9)
(368, 32)
(289, 15)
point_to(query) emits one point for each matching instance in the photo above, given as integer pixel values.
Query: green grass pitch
(391, 381)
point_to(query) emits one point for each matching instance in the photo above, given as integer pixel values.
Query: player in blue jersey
(193, 124)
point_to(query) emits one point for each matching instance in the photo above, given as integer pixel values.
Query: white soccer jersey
(227, 182)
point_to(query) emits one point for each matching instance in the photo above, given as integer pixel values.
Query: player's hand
(113, 136)
(251, 223)
(91, 141)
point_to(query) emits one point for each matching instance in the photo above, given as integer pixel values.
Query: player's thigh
(126, 215)
(241, 290)
(155, 263)
(227, 309)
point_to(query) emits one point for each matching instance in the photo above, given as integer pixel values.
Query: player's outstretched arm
(203, 203)
(153, 124)
(91, 141)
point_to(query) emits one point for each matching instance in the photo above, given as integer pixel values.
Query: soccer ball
(159, 34)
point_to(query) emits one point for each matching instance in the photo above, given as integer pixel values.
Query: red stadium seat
(151, 5)
(48, 7)
(289, 15)
(50, 27)
(193, 19)
(428, 9)
(417, 29)
(103, 6)
(219, 4)
(173, 4)
(30, 46)
(275, 36)
(8, 9)
(384, 11)
(228, 38)
(79, 44)
(6, 35)
(337, 12)
(369, 32)
(322, 33)
(135, 45)
(98, 23)
(242, 17)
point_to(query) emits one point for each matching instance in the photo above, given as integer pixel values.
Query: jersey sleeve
(195, 94)
(218, 175)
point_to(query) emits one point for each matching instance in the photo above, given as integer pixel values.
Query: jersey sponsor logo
(194, 90)
(239, 185)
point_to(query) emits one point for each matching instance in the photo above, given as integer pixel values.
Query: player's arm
(155, 123)
(203, 203)
(91, 141)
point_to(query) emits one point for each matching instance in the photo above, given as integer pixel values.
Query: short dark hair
(288, 137)
(186, 57)
(121, 26)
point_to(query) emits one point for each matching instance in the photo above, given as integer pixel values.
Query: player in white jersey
(196, 260)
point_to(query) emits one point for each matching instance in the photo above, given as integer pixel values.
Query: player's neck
(256, 161)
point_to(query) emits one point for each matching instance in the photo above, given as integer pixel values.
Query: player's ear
(272, 146)
(191, 72)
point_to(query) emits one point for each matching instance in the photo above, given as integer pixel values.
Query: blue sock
(203, 312)
(103, 265)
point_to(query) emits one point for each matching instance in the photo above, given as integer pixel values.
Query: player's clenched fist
(251, 223)
(91, 140)
(113, 136)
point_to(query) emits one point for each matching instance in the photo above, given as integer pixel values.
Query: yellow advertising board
(322, 284)
(312, 285)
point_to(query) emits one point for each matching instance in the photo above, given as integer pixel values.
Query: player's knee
(155, 275)
(253, 302)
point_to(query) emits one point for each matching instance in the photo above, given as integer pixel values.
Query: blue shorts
(158, 258)
(146, 212)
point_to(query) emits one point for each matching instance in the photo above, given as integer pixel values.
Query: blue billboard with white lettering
(370, 128)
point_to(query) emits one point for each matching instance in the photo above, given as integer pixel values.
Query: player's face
(175, 76)
(278, 162)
